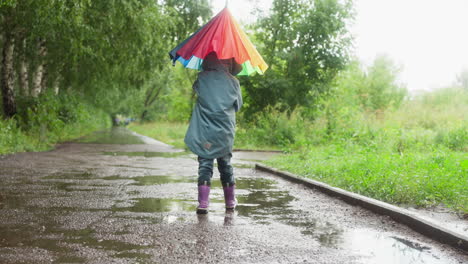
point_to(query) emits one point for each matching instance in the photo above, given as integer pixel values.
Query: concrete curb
(422, 226)
(253, 150)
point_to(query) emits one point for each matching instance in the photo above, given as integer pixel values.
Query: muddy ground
(117, 197)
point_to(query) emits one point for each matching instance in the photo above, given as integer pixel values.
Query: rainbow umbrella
(223, 35)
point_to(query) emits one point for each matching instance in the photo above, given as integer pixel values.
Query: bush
(411, 155)
(12, 139)
(271, 128)
(48, 119)
(455, 139)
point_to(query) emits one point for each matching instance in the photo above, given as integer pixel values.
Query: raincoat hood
(212, 63)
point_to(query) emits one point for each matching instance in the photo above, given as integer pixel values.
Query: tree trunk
(7, 76)
(56, 86)
(24, 73)
(143, 115)
(151, 96)
(40, 71)
(44, 78)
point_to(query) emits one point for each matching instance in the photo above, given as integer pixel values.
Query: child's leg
(227, 179)
(225, 170)
(205, 171)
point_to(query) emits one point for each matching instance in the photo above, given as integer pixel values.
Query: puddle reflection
(155, 205)
(381, 248)
(149, 154)
(116, 135)
(153, 180)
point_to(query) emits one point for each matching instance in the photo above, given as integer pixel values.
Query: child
(212, 127)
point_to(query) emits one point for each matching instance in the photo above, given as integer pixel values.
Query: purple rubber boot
(230, 197)
(203, 199)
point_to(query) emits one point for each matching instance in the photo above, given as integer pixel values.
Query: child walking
(212, 127)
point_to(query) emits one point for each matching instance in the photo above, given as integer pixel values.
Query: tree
(462, 79)
(381, 89)
(188, 16)
(81, 45)
(305, 43)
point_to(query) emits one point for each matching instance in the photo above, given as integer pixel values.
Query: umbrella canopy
(223, 35)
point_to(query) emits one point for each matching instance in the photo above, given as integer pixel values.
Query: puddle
(243, 166)
(133, 255)
(116, 135)
(411, 244)
(11, 200)
(70, 175)
(159, 180)
(259, 199)
(266, 203)
(63, 186)
(382, 248)
(67, 186)
(134, 167)
(249, 183)
(61, 237)
(70, 259)
(241, 183)
(154, 205)
(153, 180)
(149, 154)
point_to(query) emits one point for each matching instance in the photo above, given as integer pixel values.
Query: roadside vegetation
(43, 121)
(68, 66)
(414, 155)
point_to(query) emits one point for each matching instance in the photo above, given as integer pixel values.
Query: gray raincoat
(212, 126)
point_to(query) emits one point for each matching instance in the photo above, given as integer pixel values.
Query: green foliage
(305, 43)
(417, 178)
(116, 48)
(187, 14)
(46, 120)
(7, 3)
(415, 154)
(12, 139)
(179, 104)
(270, 128)
(454, 139)
(380, 89)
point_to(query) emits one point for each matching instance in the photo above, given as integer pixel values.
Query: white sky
(428, 38)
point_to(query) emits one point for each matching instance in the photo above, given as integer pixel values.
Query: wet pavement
(117, 197)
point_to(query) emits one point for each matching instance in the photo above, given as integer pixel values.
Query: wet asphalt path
(135, 203)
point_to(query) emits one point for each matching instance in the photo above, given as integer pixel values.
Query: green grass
(415, 178)
(171, 133)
